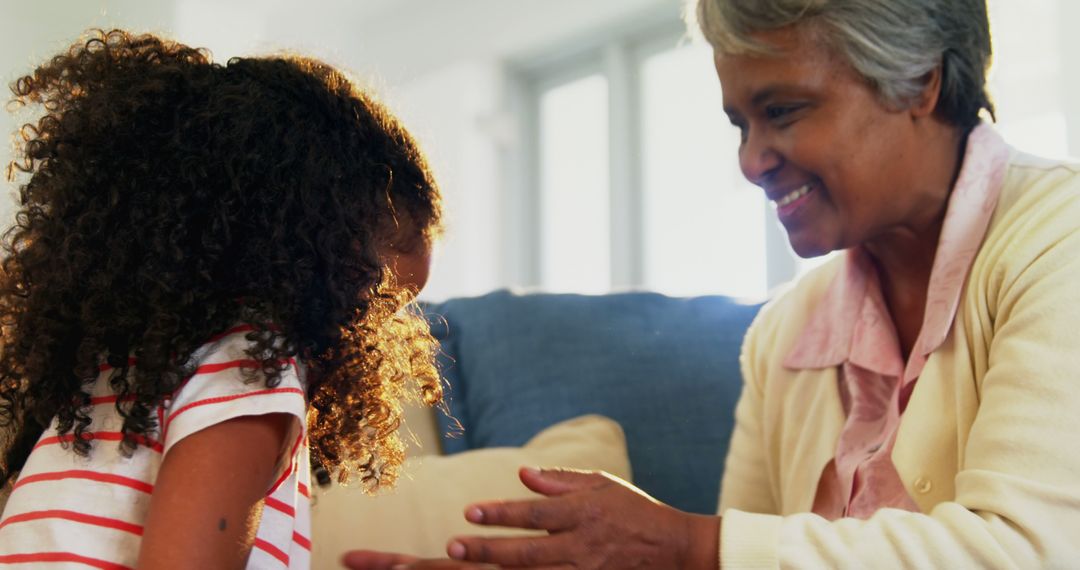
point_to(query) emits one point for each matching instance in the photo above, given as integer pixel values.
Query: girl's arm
(208, 497)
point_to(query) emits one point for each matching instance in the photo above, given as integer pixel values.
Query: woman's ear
(926, 101)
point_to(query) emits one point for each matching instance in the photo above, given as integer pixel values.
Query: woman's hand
(594, 521)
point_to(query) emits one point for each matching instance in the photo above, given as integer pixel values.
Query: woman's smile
(791, 205)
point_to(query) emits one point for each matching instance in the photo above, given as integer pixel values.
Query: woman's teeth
(798, 193)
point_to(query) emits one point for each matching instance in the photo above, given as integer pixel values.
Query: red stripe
(109, 399)
(304, 490)
(75, 517)
(220, 399)
(280, 506)
(242, 363)
(90, 475)
(303, 541)
(103, 436)
(292, 464)
(272, 550)
(219, 366)
(38, 557)
(284, 476)
(204, 369)
(207, 369)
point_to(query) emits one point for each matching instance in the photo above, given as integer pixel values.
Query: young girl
(205, 283)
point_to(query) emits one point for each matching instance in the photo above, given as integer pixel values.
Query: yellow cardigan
(989, 445)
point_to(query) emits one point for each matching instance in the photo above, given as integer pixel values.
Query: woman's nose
(758, 159)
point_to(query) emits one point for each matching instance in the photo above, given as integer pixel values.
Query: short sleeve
(227, 384)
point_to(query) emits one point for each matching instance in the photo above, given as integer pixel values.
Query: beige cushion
(419, 430)
(426, 508)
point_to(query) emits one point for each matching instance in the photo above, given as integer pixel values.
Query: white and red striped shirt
(67, 511)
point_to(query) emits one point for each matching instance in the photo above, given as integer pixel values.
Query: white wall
(438, 64)
(1070, 49)
(30, 32)
(1030, 74)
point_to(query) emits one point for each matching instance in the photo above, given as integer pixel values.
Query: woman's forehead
(795, 59)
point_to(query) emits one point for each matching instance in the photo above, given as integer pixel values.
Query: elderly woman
(911, 402)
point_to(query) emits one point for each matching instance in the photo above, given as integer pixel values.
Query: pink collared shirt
(852, 330)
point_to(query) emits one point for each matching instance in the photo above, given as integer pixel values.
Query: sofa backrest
(665, 368)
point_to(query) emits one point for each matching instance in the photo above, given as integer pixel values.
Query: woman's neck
(904, 257)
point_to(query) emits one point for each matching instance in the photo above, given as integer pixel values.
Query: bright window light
(703, 223)
(1026, 79)
(575, 242)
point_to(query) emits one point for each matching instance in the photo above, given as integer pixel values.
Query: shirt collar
(828, 338)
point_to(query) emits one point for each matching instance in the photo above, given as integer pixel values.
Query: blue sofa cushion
(666, 369)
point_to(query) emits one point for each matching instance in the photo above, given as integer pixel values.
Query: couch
(638, 384)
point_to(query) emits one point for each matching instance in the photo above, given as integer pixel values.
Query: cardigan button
(923, 485)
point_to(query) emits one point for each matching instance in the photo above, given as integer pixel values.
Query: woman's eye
(780, 111)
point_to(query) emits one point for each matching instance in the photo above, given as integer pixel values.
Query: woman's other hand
(594, 521)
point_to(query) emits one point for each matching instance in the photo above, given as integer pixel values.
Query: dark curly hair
(165, 198)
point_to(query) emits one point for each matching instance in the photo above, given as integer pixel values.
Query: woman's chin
(808, 248)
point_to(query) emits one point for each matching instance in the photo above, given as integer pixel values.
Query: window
(574, 188)
(704, 225)
(636, 175)
(1026, 81)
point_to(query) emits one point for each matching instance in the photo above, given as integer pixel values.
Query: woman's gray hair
(894, 44)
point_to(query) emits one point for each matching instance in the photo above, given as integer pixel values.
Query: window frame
(617, 55)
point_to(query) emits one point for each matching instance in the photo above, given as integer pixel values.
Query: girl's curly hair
(165, 198)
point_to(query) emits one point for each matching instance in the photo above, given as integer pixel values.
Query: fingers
(531, 552)
(555, 482)
(373, 560)
(552, 515)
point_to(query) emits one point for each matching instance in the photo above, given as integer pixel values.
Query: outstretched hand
(594, 521)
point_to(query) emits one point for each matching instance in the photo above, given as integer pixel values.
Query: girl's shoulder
(230, 379)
